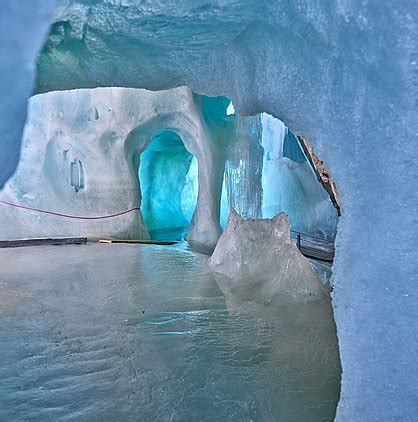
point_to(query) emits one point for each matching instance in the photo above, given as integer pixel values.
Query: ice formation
(160, 155)
(76, 338)
(167, 199)
(267, 172)
(22, 32)
(263, 264)
(299, 193)
(81, 154)
(343, 74)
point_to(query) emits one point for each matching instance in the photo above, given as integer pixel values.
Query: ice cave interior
(245, 131)
(168, 183)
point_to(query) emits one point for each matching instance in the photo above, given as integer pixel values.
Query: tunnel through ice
(168, 181)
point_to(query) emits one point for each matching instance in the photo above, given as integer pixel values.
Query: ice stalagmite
(263, 264)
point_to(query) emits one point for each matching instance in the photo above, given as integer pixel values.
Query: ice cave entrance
(168, 182)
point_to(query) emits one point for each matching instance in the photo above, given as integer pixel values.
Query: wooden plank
(17, 243)
(316, 248)
(140, 242)
(317, 254)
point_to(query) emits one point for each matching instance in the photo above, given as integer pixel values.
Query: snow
(262, 263)
(342, 74)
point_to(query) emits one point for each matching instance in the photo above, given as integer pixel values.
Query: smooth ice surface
(128, 332)
(262, 263)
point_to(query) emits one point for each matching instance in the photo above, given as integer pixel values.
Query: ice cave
(208, 210)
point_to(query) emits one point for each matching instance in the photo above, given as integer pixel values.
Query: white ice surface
(80, 158)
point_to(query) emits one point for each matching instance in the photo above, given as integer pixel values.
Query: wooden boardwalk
(314, 247)
(43, 241)
(310, 246)
(18, 243)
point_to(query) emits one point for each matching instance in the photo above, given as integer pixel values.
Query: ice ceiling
(342, 73)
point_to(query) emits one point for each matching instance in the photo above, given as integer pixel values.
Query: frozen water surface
(107, 332)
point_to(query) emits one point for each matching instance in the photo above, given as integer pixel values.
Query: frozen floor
(134, 332)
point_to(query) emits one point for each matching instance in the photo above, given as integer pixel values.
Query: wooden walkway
(310, 246)
(314, 247)
(18, 243)
(43, 241)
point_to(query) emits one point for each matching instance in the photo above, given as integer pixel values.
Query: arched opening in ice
(230, 111)
(168, 182)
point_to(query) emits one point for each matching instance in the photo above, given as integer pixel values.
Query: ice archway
(81, 158)
(168, 181)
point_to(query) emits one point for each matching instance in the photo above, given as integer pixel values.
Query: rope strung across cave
(102, 217)
(307, 251)
(76, 217)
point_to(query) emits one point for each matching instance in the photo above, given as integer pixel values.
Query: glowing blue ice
(163, 172)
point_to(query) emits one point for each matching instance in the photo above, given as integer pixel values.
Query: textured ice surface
(343, 74)
(290, 185)
(82, 151)
(23, 27)
(242, 188)
(121, 332)
(263, 264)
(266, 172)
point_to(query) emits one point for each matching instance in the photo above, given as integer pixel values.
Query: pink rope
(77, 217)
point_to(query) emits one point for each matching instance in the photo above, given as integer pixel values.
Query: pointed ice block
(263, 264)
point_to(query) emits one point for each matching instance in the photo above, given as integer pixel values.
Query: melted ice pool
(129, 332)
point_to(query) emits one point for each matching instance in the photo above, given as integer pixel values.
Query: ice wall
(23, 27)
(242, 188)
(267, 172)
(82, 150)
(343, 74)
(290, 184)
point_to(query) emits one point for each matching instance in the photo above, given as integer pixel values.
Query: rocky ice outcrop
(262, 264)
